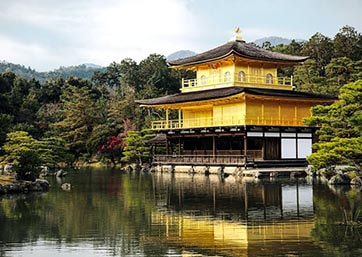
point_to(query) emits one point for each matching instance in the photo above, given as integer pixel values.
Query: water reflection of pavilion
(204, 216)
(208, 195)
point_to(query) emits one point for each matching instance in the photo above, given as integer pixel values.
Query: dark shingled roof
(241, 49)
(159, 139)
(226, 92)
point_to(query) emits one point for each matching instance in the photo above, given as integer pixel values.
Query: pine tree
(136, 151)
(340, 132)
(80, 115)
(21, 150)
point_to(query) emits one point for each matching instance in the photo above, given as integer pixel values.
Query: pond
(113, 213)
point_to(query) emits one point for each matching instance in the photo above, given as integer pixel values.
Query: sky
(46, 34)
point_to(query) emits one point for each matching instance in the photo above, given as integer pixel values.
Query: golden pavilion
(237, 111)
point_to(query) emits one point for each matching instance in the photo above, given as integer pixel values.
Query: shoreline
(9, 185)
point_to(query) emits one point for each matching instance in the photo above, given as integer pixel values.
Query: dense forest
(85, 71)
(73, 119)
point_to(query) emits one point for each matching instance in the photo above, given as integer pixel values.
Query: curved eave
(216, 95)
(233, 52)
(194, 102)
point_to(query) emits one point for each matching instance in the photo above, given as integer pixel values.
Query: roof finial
(237, 36)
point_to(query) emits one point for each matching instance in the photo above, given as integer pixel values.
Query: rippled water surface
(110, 213)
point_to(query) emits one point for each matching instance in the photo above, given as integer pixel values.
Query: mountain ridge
(85, 70)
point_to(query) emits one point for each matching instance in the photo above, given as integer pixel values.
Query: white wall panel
(289, 146)
(304, 147)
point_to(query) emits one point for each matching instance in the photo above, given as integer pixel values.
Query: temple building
(237, 111)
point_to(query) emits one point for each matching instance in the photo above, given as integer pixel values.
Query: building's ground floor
(237, 146)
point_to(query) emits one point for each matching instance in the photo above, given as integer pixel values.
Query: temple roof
(227, 92)
(159, 139)
(239, 48)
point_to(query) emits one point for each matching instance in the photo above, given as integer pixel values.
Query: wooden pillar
(263, 197)
(179, 146)
(297, 185)
(296, 147)
(248, 73)
(214, 197)
(179, 118)
(245, 201)
(279, 115)
(281, 201)
(213, 146)
(245, 149)
(167, 150)
(166, 125)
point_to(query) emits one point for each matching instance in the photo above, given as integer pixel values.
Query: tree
(112, 150)
(267, 45)
(52, 151)
(136, 151)
(130, 74)
(110, 78)
(348, 43)
(80, 115)
(320, 48)
(308, 79)
(21, 150)
(5, 123)
(51, 90)
(341, 71)
(156, 75)
(340, 129)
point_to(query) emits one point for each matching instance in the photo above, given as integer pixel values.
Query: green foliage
(22, 151)
(341, 71)
(53, 151)
(89, 114)
(332, 63)
(307, 78)
(81, 71)
(136, 151)
(320, 49)
(28, 154)
(348, 43)
(80, 115)
(5, 122)
(340, 129)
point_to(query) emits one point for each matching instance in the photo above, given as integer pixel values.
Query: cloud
(47, 34)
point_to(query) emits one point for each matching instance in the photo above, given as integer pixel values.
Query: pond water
(110, 213)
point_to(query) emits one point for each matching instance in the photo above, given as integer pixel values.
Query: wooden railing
(237, 80)
(220, 159)
(199, 159)
(225, 121)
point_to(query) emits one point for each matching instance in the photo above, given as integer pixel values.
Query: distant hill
(274, 41)
(180, 54)
(82, 71)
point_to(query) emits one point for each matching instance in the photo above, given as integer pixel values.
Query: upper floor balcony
(237, 79)
(225, 121)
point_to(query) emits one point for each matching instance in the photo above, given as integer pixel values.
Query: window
(203, 80)
(289, 148)
(269, 78)
(227, 76)
(304, 147)
(241, 76)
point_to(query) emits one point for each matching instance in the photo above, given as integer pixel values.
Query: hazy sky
(46, 34)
